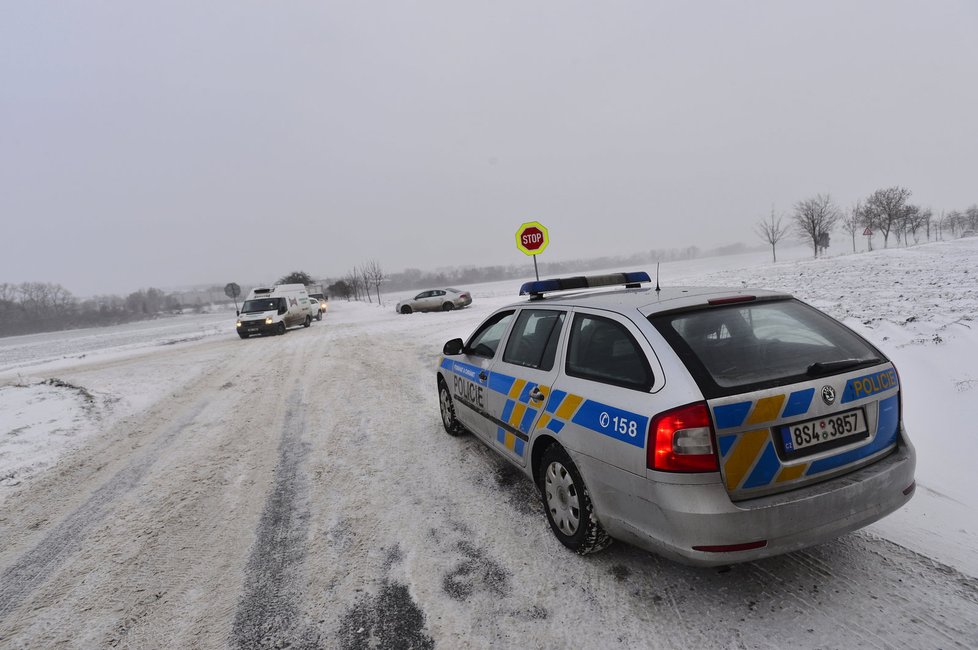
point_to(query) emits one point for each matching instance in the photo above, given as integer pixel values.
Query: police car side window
(533, 342)
(486, 340)
(601, 349)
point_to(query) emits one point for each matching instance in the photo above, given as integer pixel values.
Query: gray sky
(172, 143)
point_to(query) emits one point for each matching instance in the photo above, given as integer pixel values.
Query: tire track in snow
(932, 624)
(37, 565)
(268, 612)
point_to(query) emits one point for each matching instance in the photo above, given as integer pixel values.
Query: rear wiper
(820, 367)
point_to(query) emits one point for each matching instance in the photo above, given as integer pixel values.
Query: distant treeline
(32, 307)
(418, 279)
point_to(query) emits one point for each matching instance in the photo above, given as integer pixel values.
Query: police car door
(470, 373)
(521, 379)
(606, 389)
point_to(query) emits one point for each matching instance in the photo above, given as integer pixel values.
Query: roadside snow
(59, 388)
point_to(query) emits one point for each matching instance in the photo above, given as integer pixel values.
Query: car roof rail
(629, 280)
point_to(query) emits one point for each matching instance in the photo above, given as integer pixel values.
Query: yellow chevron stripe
(791, 473)
(568, 407)
(510, 441)
(517, 416)
(743, 455)
(543, 421)
(514, 392)
(766, 409)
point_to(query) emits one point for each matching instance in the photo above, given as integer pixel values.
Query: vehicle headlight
(238, 324)
(268, 321)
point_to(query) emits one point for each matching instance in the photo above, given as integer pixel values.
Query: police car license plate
(838, 426)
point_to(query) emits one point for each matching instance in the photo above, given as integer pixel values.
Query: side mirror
(453, 347)
(237, 311)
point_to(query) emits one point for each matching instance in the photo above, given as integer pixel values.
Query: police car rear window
(749, 346)
(602, 350)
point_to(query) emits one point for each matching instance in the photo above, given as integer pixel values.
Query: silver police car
(711, 426)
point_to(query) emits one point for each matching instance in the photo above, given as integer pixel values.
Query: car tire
(448, 306)
(280, 330)
(319, 316)
(307, 322)
(452, 426)
(568, 504)
(405, 309)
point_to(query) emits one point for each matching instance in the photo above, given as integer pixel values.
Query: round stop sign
(531, 238)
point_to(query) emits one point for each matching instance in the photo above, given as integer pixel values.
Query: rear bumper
(673, 518)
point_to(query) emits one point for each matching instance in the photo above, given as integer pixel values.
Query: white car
(320, 300)
(711, 426)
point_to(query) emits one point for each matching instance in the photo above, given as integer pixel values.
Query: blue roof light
(540, 287)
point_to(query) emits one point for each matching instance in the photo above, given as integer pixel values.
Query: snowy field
(166, 483)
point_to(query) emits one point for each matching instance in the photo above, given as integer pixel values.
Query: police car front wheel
(452, 426)
(568, 505)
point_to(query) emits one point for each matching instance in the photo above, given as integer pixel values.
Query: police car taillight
(681, 440)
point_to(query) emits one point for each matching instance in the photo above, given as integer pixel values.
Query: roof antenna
(657, 289)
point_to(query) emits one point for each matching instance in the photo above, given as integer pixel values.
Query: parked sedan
(435, 300)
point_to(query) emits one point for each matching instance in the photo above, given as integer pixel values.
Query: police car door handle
(483, 376)
(536, 394)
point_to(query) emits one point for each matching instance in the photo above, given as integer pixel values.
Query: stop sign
(531, 238)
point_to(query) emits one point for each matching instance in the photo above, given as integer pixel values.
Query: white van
(271, 310)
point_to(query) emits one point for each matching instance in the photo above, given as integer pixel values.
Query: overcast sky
(175, 143)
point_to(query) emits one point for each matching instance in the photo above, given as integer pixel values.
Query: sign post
(869, 237)
(532, 239)
(232, 290)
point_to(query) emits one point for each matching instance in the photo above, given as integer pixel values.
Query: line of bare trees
(31, 307)
(886, 211)
(359, 281)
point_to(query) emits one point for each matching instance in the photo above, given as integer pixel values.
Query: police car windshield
(748, 346)
(263, 304)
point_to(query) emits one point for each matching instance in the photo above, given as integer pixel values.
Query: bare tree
(852, 222)
(815, 218)
(772, 231)
(352, 280)
(972, 215)
(940, 223)
(340, 288)
(374, 275)
(364, 282)
(884, 209)
(8, 292)
(913, 218)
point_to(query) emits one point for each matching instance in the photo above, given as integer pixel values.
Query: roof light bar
(540, 287)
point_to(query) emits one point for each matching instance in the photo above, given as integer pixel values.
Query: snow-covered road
(300, 491)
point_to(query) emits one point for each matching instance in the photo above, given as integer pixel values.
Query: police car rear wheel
(452, 426)
(568, 505)
(448, 306)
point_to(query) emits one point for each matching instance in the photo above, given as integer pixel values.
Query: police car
(711, 426)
